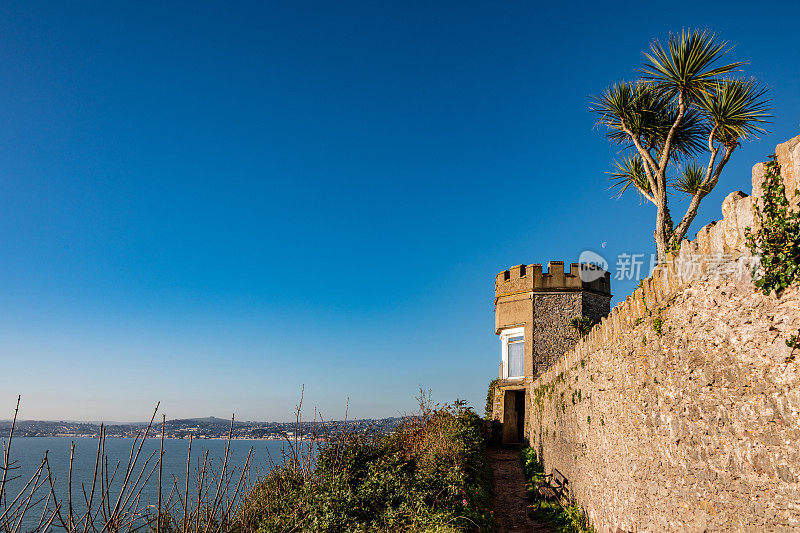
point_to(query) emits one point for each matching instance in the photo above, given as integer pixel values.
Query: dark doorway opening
(519, 405)
(514, 416)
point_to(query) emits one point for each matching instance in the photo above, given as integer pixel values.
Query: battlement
(525, 278)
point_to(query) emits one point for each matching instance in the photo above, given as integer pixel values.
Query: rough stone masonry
(681, 410)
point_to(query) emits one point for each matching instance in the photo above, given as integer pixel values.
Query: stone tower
(532, 313)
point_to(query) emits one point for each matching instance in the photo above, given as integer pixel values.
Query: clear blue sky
(212, 205)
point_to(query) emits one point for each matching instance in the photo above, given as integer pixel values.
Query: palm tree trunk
(663, 232)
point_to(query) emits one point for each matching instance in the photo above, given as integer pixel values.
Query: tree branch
(647, 195)
(708, 185)
(662, 164)
(647, 158)
(714, 150)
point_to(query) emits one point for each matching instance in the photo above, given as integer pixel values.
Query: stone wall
(596, 306)
(552, 334)
(681, 410)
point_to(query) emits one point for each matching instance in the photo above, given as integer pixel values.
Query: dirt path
(510, 498)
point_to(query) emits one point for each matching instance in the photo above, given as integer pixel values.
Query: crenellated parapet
(531, 278)
(539, 304)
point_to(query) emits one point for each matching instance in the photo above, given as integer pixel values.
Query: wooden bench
(555, 488)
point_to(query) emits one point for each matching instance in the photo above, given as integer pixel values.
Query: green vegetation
(581, 324)
(777, 239)
(658, 325)
(428, 475)
(793, 341)
(564, 518)
(686, 105)
(490, 398)
(546, 389)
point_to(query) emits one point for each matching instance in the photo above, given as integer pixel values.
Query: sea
(27, 454)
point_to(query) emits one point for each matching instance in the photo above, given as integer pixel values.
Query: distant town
(198, 428)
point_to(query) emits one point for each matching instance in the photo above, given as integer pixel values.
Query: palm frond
(612, 107)
(648, 113)
(690, 180)
(690, 136)
(688, 63)
(737, 108)
(629, 172)
(582, 325)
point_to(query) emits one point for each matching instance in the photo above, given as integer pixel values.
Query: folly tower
(532, 313)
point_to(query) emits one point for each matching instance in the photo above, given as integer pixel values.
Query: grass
(567, 518)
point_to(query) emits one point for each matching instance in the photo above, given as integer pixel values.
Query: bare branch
(7, 455)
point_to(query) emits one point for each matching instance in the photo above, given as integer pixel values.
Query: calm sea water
(28, 453)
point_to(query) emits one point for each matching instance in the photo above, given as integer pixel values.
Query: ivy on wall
(490, 397)
(777, 239)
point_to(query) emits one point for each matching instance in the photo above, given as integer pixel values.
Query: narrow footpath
(510, 497)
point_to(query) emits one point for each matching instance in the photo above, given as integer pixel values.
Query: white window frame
(504, 336)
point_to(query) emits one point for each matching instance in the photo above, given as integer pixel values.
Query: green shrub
(582, 325)
(490, 398)
(567, 518)
(430, 474)
(530, 464)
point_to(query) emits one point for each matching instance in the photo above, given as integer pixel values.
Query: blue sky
(212, 205)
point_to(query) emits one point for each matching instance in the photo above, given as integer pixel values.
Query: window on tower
(513, 345)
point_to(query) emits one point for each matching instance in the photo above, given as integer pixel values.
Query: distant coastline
(209, 428)
(157, 436)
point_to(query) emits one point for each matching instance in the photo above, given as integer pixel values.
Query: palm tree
(686, 104)
(582, 324)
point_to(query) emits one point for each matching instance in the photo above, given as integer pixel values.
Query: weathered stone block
(757, 178)
(733, 222)
(716, 238)
(788, 157)
(702, 240)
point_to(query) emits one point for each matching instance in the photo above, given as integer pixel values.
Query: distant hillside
(205, 427)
